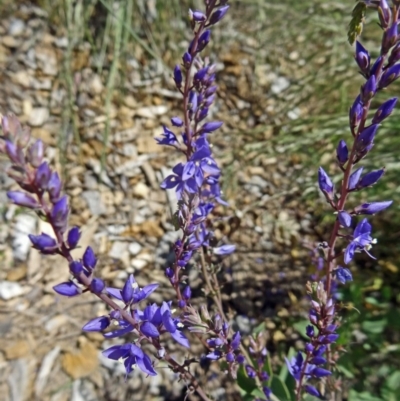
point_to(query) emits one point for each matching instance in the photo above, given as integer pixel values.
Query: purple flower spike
(68, 289)
(325, 183)
(89, 258)
(371, 178)
(312, 391)
(362, 57)
(73, 238)
(97, 324)
(384, 110)
(343, 274)
(344, 219)
(218, 15)
(224, 250)
(23, 199)
(372, 208)
(97, 286)
(178, 76)
(342, 153)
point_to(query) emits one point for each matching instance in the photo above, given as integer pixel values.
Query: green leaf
(374, 326)
(279, 389)
(300, 327)
(244, 382)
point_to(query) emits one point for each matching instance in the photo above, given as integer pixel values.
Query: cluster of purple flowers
(42, 192)
(196, 180)
(378, 75)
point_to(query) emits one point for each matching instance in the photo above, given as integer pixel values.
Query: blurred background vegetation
(305, 41)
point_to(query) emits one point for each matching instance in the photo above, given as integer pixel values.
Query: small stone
(10, 41)
(17, 273)
(134, 248)
(10, 289)
(141, 190)
(118, 249)
(152, 111)
(138, 264)
(17, 350)
(38, 116)
(279, 85)
(96, 85)
(16, 28)
(96, 206)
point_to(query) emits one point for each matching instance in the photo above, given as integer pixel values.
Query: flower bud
(89, 258)
(178, 76)
(23, 199)
(389, 76)
(68, 289)
(218, 15)
(362, 58)
(35, 153)
(384, 110)
(73, 238)
(97, 324)
(42, 176)
(342, 153)
(97, 286)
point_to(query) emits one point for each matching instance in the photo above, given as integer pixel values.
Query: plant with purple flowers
(195, 180)
(324, 322)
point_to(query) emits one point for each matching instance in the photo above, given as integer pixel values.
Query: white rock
(24, 225)
(10, 289)
(96, 85)
(279, 85)
(138, 264)
(38, 116)
(16, 28)
(134, 248)
(118, 249)
(141, 190)
(151, 111)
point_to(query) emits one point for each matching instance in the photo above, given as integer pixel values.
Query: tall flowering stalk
(42, 192)
(346, 240)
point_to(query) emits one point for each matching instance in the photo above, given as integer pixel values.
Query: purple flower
(384, 110)
(97, 285)
(23, 199)
(75, 267)
(342, 153)
(97, 324)
(224, 250)
(218, 15)
(73, 238)
(320, 372)
(368, 89)
(54, 187)
(343, 274)
(372, 208)
(169, 138)
(312, 391)
(362, 240)
(355, 112)
(59, 213)
(324, 182)
(210, 127)
(203, 40)
(68, 289)
(355, 178)
(89, 258)
(389, 76)
(197, 16)
(131, 355)
(370, 179)
(176, 121)
(362, 57)
(42, 176)
(366, 138)
(178, 76)
(344, 218)
(35, 153)
(44, 243)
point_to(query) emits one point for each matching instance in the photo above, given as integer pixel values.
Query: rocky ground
(126, 216)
